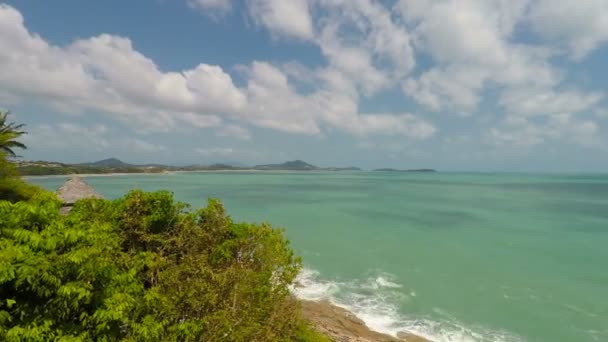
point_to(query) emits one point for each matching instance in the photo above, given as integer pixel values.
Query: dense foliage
(12, 188)
(143, 268)
(140, 268)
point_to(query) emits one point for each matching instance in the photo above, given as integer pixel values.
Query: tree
(143, 268)
(9, 132)
(12, 188)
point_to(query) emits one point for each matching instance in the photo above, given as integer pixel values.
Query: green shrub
(12, 188)
(143, 268)
(307, 334)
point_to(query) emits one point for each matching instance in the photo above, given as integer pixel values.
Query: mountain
(233, 164)
(387, 170)
(221, 166)
(110, 162)
(350, 168)
(114, 165)
(295, 165)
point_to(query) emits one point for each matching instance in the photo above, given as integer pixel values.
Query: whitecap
(383, 282)
(309, 287)
(376, 301)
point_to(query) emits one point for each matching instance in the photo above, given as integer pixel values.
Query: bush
(143, 268)
(12, 188)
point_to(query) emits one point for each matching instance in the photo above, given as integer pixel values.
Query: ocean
(448, 256)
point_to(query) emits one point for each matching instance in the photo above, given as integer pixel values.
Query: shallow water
(450, 256)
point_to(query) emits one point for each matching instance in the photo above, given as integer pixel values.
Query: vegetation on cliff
(140, 268)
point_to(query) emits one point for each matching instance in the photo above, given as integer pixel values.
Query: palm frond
(9, 132)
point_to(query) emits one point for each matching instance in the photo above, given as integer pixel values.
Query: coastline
(336, 322)
(85, 175)
(112, 174)
(341, 325)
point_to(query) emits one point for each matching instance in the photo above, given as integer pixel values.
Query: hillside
(110, 162)
(295, 165)
(113, 165)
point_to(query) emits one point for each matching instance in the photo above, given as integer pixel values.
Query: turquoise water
(453, 257)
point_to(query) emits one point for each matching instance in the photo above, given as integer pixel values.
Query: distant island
(113, 165)
(299, 165)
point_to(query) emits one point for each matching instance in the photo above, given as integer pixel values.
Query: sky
(456, 85)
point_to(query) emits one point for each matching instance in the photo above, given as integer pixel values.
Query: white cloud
(394, 124)
(233, 131)
(544, 102)
(73, 136)
(469, 50)
(362, 40)
(581, 26)
(459, 31)
(359, 39)
(138, 145)
(274, 103)
(105, 73)
(456, 86)
(67, 136)
(472, 46)
(519, 132)
(332, 103)
(215, 151)
(220, 6)
(283, 18)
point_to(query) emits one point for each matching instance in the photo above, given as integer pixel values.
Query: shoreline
(341, 325)
(337, 323)
(175, 172)
(85, 175)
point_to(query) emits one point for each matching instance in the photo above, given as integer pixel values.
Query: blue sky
(486, 85)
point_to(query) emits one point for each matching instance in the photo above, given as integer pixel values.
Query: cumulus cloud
(517, 131)
(362, 40)
(472, 46)
(359, 39)
(332, 103)
(220, 6)
(581, 26)
(469, 53)
(106, 73)
(283, 18)
(544, 102)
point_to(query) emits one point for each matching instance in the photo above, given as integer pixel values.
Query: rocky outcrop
(342, 325)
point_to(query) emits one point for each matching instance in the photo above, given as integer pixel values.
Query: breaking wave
(376, 301)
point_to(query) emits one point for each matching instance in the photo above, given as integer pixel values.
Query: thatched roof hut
(75, 189)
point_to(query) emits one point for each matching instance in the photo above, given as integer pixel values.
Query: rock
(342, 325)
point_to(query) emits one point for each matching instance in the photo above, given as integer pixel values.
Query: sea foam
(376, 300)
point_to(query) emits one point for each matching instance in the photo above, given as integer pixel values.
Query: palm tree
(9, 131)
